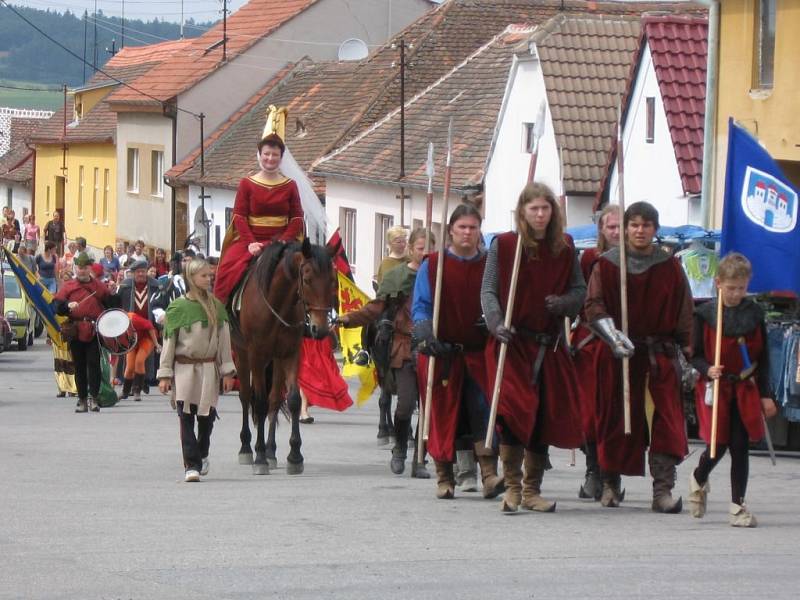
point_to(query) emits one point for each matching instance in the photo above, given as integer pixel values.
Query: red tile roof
(134, 55)
(679, 47)
(193, 61)
(16, 165)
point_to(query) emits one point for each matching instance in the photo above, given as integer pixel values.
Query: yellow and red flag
(351, 299)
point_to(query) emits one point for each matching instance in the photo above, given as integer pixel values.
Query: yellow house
(75, 167)
(759, 83)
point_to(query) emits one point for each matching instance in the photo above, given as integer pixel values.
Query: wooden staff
(538, 131)
(623, 280)
(717, 356)
(437, 296)
(429, 170)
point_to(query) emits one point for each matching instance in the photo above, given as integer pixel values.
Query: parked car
(18, 312)
(6, 335)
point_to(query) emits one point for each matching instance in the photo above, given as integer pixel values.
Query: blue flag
(760, 214)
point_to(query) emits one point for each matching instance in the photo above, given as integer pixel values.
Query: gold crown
(276, 122)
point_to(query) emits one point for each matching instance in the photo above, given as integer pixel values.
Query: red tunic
(261, 213)
(461, 280)
(548, 406)
(656, 299)
(744, 393)
(90, 296)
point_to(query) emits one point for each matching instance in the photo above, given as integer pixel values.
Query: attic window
(299, 129)
(78, 110)
(527, 137)
(650, 133)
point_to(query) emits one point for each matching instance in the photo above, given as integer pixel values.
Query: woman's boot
(512, 473)
(400, 450)
(138, 385)
(126, 389)
(739, 516)
(493, 484)
(612, 490)
(532, 483)
(593, 483)
(662, 468)
(445, 480)
(698, 497)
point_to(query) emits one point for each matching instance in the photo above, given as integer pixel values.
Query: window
(80, 192)
(764, 45)
(382, 225)
(157, 173)
(218, 237)
(347, 229)
(47, 201)
(527, 137)
(133, 170)
(106, 190)
(95, 193)
(228, 217)
(650, 134)
(9, 196)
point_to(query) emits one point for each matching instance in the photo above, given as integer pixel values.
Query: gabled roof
(586, 62)
(679, 47)
(471, 94)
(196, 58)
(16, 165)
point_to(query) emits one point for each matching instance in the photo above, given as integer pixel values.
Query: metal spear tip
(538, 124)
(429, 170)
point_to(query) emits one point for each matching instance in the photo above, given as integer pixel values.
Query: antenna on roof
(353, 49)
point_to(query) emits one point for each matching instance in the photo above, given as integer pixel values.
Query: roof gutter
(710, 118)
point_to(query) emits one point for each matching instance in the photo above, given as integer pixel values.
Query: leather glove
(504, 334)
(427, 343)
(557, 305)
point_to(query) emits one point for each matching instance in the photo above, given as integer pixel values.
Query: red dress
(261, 213)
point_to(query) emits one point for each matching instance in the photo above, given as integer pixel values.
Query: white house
(16, 159)
(662, 132)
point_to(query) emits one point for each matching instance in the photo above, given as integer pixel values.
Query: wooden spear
(623, 279)
(717, 356)
(538, 131)
(437, 296)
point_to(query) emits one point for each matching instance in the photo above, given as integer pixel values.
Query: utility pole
(224, 30)
(402, 47)
(94, 60)
(203, 196)
(85, 24)
(113, 50)
(122, 30)
(181, 18)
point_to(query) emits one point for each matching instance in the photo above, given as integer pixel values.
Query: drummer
(136, 358)
(83, 299)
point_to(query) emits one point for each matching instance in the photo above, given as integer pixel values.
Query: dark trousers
(407, 391)
(739, 445)
(195, 447)
(86, 356)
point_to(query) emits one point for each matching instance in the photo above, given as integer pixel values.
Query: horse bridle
(307, 308)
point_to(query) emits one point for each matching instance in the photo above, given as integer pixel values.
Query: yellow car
(18, 312)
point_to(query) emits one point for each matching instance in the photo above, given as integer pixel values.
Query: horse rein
(307, 308)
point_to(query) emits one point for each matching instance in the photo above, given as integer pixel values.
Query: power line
(99, 70)
(30, 89)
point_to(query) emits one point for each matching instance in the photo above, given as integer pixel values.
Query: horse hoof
(245, 458)
(272, 462)
(294, 468)
(260, 469)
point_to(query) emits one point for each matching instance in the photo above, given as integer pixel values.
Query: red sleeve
(241, 210)
(63, 291)
(102, 291)
(140, 323)
(294, 228)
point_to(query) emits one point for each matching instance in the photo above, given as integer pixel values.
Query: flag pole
(538, 131)
(623, 278)
(717, 356)
(437, 297)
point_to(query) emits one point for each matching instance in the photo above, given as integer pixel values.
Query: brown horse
(287, 295)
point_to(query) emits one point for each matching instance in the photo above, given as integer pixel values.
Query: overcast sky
(146, 10)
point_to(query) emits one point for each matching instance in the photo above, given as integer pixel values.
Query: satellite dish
(353, 49)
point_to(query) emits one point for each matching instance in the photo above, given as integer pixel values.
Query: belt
(88, 319)
(659, 345)
(185, 360)
(268, 221)
(746, 374)
(544, 340)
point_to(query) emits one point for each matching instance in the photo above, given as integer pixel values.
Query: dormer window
(78, 111)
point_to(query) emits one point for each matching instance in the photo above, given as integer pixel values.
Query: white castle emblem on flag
(769, 202)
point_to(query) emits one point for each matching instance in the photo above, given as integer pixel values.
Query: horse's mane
(282, 253)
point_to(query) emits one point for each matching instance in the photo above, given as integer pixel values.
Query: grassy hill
(42, 98)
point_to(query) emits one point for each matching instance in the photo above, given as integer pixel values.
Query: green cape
(182, 313)
(398, 281)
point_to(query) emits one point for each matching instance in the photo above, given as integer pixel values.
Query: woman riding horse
(267, 209)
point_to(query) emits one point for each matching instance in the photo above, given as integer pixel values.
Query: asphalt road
(94, 506)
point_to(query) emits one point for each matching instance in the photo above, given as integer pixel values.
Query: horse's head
(316, 286)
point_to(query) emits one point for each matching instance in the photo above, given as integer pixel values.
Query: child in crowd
(196, 352)
(744, 390)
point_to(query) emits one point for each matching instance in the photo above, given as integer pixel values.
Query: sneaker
(204, 468)
(191, 475)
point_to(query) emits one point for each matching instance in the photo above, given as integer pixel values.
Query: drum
(115, 331)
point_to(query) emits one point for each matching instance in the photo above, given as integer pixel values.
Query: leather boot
(532, 483)
(662, 469)
(445, 480)
(698, 497)
(467, 475)
(126, 389)
(400, 450)
(612, 493)
(82, 406)
(739, 516)
(593, 483)
(493, 484)
(512, 472)
(138, 385)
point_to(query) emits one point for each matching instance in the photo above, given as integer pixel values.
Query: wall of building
(215, 208)
(322, 27)
(770, 114)
(88, 212)
(143, 214)
(16, 196)
(369, 201)
(651, 169)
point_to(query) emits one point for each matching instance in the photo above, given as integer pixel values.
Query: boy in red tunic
(538, 405)
(660, 326)
(744, 390)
